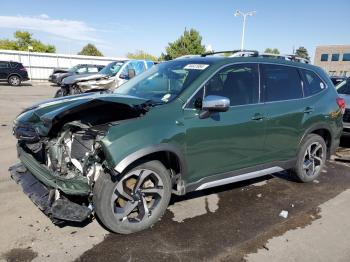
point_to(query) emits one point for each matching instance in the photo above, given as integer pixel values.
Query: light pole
(239, 13)
(30, 67)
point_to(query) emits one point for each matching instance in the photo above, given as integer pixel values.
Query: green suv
(184, 125)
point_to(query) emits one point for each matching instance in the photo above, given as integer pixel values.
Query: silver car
(343, 89)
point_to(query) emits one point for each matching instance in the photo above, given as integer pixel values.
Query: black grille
(346, 116)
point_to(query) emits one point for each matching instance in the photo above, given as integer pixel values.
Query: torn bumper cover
(73, 186)
(58, 210)
(40, 185)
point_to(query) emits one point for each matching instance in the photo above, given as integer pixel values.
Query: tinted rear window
(16, 65)
(312, 84)
(281, 83)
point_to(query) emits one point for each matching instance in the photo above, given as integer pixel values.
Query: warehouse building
(334, 59)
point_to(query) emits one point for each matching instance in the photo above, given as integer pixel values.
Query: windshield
(343, 87)
(163, 82)
(112, 68)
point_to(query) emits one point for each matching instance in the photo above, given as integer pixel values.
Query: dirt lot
(232, 223)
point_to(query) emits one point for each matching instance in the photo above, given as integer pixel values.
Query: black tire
(309, 167)
(106, 207)
(60, 92)
(75, 90)
(14, 80)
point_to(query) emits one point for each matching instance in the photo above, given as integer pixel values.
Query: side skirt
(239, 175)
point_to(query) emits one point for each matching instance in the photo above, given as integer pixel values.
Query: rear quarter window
(312, 83)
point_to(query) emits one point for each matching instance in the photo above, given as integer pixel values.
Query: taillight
(341, 104)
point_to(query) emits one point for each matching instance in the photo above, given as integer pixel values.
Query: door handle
(308, 110)
(258, 117)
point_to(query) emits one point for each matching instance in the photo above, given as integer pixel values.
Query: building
(334, 59)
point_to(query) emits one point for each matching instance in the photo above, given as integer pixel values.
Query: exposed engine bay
(75, 152)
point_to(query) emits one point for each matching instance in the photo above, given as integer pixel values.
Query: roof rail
(254, 52)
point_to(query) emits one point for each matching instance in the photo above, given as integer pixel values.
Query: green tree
(302, 52)
(139, 54)
(272, 51)
(190, 43)
(23, 39)
(90, 50)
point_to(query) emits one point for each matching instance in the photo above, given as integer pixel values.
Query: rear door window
(92, 70)
(312, 83)
(4, 64)
(82, 70)
(281, 83)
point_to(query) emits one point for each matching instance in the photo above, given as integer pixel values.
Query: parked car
(181, 126)
(343, 89)
(13, 72)
(76, 70)
(338, 79)
(54, 74)
(110, 77)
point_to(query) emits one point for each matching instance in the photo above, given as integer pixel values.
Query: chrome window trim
(259, 63)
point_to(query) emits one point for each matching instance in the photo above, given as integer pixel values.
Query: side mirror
(131, 73)
(212, 104)
(216, 103)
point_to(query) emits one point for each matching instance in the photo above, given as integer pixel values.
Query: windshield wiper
(150, 103)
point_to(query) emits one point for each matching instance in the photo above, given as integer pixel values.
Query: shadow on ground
(245, 212)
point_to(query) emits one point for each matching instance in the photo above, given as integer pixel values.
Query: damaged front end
(59, 146)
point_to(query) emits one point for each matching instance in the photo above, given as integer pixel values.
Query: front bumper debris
(58, 210)
(73, 186)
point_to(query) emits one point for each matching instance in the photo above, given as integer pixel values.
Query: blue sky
(118, 27)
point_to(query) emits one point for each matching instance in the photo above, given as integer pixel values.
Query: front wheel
(61, 92)
(135, 201)
(311, 158)
(14, 80)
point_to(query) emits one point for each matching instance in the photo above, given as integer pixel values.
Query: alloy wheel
(14, 80)
(313, 159)
(136, 196)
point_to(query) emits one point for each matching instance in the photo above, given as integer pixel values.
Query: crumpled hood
(46, 114)
(83, 77)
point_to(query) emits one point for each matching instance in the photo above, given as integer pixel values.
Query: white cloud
(70, 29)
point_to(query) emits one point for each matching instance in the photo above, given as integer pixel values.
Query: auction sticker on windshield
(196, 66)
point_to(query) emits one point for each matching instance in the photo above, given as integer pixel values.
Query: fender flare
(13, 74)
(125, 162)
(317, 126)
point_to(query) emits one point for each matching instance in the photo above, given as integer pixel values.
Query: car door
(4, 69)
(285, 111)
(231, 140)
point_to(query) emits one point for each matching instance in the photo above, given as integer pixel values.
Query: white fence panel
(40, 65)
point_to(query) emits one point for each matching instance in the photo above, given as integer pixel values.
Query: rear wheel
(14, 80)
(75, 90)
(311, 158)
(134, 202)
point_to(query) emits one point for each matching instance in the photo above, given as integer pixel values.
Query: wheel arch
(322, 130)
(14, 74)
(169, 155)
